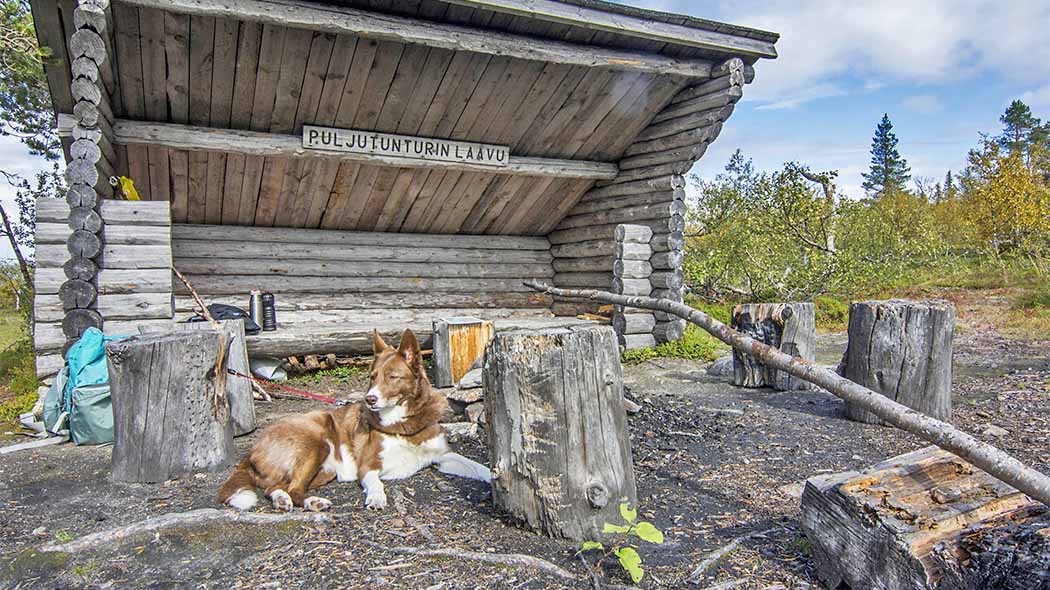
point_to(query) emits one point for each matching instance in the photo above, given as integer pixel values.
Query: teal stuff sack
(91, 415)
(54, 407)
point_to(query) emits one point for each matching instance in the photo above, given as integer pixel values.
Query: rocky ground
(714, 463)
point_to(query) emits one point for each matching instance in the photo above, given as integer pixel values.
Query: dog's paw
(317, 504)
(376, 500)
(281, 500)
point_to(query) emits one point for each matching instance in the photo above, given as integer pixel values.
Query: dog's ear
(409, 350)
(378, 344)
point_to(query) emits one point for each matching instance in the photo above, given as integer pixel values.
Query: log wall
(649, 191)
(130, 276)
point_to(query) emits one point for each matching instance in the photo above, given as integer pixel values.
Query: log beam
(384, 27)
(254, 143)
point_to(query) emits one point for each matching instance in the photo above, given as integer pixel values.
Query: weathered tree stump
(238, 389)
(558, 439)
(170, 414)
(903, 350)
(458, 343)
(905, 522)
(789, 327)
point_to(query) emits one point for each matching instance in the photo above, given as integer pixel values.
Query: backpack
(78, 402)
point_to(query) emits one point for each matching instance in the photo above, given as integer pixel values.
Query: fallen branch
(985, 456)
(173, 520)
(719, 554)
(507, 559)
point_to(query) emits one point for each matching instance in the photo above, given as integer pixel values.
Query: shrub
(695, 344)
(832, 313)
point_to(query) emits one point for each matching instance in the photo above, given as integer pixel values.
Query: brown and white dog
(392, 434)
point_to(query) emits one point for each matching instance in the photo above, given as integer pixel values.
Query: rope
(300, 392)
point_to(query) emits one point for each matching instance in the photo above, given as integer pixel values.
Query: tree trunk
(993, 460)
(878, 529)
(170, 415)
(788, 327)
(558, 439)
(903, 350)
(22, 265)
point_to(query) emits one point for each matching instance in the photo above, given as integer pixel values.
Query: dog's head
(396, 372)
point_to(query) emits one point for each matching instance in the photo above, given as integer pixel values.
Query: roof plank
(341, 19)
(634, 26)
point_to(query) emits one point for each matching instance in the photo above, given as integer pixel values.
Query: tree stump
(920, 521)
(790, 327)
(558, 440)
(903, 350)
(458, 343)
(168, 417)
(238, 389)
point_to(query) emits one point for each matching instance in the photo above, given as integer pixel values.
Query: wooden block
(458, 342)
(791, 327)
(903, 350)
(166, 421)
(558, 442)
(901, 524)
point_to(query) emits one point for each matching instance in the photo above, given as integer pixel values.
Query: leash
(300, 392)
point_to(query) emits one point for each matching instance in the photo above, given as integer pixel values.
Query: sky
(944, 71)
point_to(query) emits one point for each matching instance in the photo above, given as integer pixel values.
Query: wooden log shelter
(373, 163)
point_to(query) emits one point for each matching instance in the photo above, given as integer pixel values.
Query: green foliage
(832, 313)
(340, 374)
(17, 366)
(1035, 298)
(626, 553)
(889, 172)
(695, 344)
(64, 536)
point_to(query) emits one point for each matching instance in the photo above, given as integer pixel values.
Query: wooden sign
(404, 146)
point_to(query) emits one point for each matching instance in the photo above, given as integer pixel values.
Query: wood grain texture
(789, 327)
(166, 424)
(903, 350)
(558, 441)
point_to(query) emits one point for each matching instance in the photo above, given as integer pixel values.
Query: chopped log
(558, 439)
(634, 234)
(632, 269)
(83, 269)
(81, 196)
(84, 244)
(903, 350)
(84, 218)
(77, 294)
(788, 327)
(629, 251)
(168, 417)
(636, 341)
(458, 343)
(1010, 553)
(667, 260)
(238, 389)
(632, 286)
(633, 323)
(993, 460)
(78, 320)
(667, 279)
(669, 331)
(665, 242)
(877, 529)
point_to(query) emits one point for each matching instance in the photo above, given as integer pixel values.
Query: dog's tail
(239, 489)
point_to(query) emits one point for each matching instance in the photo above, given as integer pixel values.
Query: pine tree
(1018, 125)
(889, 171)
(950, 188)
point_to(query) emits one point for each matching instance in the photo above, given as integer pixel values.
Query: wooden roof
(547, 84)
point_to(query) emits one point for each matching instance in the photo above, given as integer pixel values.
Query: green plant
(64, 536)
(695, 344)
(832, 313)
(625, 551)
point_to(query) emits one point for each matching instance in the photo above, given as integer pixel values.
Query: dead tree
(170, 414)
(558, 443)
(903, 350)
(788, 327)
(983, 455)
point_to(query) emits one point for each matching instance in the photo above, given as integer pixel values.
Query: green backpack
(78, 403)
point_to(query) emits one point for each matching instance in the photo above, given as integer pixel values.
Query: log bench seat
(305, 326)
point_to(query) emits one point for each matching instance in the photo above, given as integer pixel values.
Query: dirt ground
(713, 462)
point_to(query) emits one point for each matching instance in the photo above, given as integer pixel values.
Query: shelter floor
(713, 462)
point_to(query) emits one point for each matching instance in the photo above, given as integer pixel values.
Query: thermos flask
(269, 312)
(255, 307)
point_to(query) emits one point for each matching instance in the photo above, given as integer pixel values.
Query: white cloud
(923, 103)
(873, 42)
(1038, 98)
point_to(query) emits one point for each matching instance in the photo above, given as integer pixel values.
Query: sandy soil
(713, 462)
